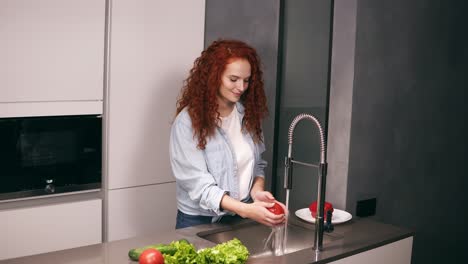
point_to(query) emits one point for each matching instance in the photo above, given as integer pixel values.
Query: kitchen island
(357, 241)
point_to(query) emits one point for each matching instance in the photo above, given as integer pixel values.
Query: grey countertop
(355, 236)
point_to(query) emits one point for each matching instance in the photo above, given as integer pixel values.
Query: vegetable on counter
(185, 253)
(151, 256)
(230, 252)
(134, 254)
(182, 251)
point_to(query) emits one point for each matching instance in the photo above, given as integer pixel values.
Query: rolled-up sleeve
(190, 169)
(260, 163)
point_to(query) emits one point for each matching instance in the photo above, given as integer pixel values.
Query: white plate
(339, 216)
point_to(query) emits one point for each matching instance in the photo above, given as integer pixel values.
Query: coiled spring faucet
(322, 172)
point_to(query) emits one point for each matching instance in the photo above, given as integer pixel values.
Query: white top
(231, 124)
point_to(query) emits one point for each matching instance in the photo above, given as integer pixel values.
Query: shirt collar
(240, 108)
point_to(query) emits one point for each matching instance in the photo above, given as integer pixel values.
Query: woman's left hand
(263, 196)
(258, 211)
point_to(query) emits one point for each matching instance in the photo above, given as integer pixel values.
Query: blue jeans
(185, 220)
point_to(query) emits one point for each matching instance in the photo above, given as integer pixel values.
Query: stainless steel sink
(254, 236)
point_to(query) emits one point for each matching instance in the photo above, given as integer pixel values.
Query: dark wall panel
(408, 134)
(304, 89)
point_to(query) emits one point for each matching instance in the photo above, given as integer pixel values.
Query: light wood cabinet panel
(153, 46)
(51, 50)
(398, 252)
(140, 211)
(58, 108)
(40, 229)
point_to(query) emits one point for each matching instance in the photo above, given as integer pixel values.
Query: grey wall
(399, 67)
(408, 134)
(256, 23)
(341, 101)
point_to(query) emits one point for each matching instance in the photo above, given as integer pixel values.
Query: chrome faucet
(322, 172)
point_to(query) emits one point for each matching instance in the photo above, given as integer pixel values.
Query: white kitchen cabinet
(58, 108)
(141, 211)
(153, 47)
(40, 229)
(398, 252)
(51, 50)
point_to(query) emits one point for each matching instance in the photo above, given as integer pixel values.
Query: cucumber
(135, 253)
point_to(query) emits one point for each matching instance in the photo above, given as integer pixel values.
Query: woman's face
(234, 81)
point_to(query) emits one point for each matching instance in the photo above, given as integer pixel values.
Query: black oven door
(49, 155)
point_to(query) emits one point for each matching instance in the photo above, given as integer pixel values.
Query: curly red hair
(199, 93)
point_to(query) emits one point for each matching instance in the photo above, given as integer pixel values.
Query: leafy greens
(230, 252)
(185, 253)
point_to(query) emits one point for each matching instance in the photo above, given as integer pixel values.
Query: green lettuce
(185, 253)
(230, 252)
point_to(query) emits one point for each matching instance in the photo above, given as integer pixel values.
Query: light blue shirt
(204, 176)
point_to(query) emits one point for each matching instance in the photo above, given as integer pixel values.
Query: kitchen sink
(254, 236)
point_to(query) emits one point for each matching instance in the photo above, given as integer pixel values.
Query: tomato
(151, 256)
(313, 209)
(276, 209)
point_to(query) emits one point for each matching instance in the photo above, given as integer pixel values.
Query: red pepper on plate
(313, 209)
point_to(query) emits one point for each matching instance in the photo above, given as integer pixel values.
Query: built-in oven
(50, 155)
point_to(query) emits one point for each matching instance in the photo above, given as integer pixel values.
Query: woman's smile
(234, 82)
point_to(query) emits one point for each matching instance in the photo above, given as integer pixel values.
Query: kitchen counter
(353, 237)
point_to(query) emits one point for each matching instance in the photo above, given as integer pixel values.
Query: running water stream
(277, 240)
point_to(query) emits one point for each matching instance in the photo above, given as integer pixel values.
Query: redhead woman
(216, 141)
